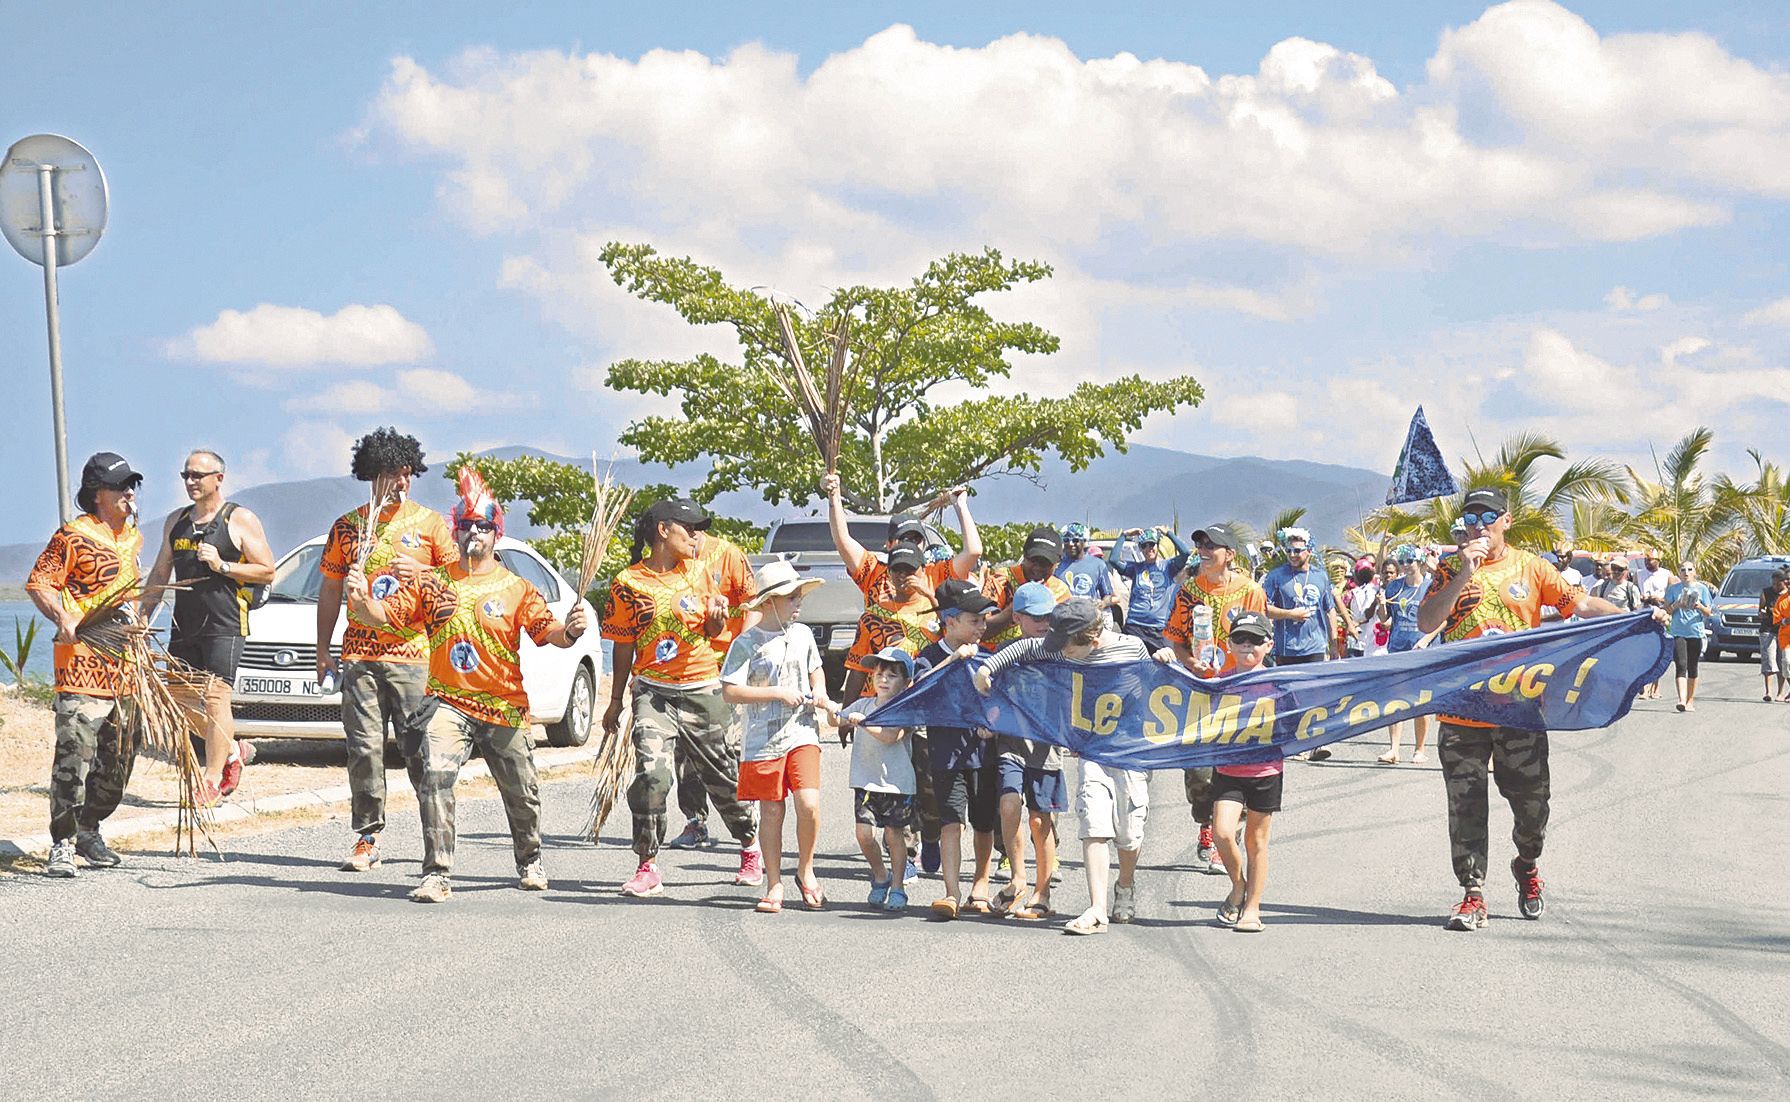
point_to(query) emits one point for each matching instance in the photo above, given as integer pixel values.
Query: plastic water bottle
(1204, 649)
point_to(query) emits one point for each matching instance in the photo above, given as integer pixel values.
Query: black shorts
(217, 653)
(1297, 659)
(1685, 653)
(970, 796)
(882, 809)
(1258, 794)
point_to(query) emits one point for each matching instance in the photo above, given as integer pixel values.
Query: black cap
(1486, 498)
(1220, 534)
(1252, 624)
(1043, 543)
(109, 469)
(1069, 619)
(962, 596)
(679, 510)
(906, 524)
(906, 558)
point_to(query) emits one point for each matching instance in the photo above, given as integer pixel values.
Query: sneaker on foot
(245, 750)
(364, 856)
(1529, 885)
(930, 858)
(232, 776)
(1469, 913)
(1205, 851)
(435, 888)
(1322, 753)
(532, 877)
(62, 861)
(644, 882)
(751, 873)
(90, 846)
(696, 833)
(1124, 903)
(911, 874)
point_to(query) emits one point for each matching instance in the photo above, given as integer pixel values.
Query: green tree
(1680, 514)
(1760, 509)
(1538, 510)
(560, 498)
(903, 443)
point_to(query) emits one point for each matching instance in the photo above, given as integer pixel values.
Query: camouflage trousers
(695, 720)
(1199, 794)
(92, 764)
(434, 753)
(374, 693)
(692, 789)
(1520, 764)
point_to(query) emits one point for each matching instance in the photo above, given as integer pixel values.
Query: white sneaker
(532, 877)
(62, 861)
(435, 888)
(1124, 902)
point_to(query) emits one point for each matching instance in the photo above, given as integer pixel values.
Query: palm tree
(1684, 518)
(1761, 510)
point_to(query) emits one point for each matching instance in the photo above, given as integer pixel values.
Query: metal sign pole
(46, 190)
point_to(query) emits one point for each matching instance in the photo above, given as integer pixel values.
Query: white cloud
(291, 336)
(1622, 300)
(418, 391)
(1772, 313)
(314, 448)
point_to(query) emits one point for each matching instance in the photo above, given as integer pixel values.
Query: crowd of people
(728, 695)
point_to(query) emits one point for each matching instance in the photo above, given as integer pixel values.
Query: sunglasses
(1297, 550)
(1481, 520)
(1208, 545)
(194, 476)
(476, 526)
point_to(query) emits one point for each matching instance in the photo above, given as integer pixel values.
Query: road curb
(233, 811)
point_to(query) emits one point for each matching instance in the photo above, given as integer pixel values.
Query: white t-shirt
(878, 766)
(1655, 582)
(760, 658)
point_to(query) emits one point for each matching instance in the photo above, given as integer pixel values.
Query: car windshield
(813, 535)
(1748, 581)
(298, 578)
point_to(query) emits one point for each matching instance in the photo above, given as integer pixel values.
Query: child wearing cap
(965, 777)
(1031, 779)
(882, 781)
(1110, 802)
(773, 672)
(1252, 787)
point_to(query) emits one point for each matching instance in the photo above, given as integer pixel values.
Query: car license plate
(277, 686)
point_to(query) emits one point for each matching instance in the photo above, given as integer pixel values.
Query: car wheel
(573, 728)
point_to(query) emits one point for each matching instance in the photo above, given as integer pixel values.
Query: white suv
(277, 695)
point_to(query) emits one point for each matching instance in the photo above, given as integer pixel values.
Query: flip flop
(812, 898)
(769, 906)
(1004, 902)
(1387, 759)
(1229, 913)
(1247, 926)
(1031, 912)
(945, 908)
(978, 906)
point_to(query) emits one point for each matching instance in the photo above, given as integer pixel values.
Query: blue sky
(1529, 216)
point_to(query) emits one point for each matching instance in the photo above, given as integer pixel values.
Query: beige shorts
(1111, 803)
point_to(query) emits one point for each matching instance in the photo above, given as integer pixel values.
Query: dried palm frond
(369, 533)
(612, 770)
(824, 407)
(611, 501)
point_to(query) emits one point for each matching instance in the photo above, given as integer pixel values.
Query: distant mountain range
(1144, 486)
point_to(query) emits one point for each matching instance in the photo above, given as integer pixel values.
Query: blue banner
(1148, 715)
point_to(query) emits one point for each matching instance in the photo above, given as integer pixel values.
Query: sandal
(1004, 902)
(812, 898)
(945, 908)
(1089, 921)
(1388, 758)
(1034, 911)
(1247, 926)
(1229, 913)
(769, 906)
(978, 906)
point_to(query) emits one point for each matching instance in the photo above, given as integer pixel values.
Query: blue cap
(1034, 599)
(896, 656)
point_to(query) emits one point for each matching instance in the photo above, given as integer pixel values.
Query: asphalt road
(1660, 968)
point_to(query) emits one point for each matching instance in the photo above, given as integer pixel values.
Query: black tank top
(215, 605)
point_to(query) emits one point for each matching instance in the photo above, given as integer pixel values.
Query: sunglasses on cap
(1481, 520)
(473, 524)
(194, 476)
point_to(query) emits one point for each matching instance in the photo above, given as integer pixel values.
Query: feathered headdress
(476, 501)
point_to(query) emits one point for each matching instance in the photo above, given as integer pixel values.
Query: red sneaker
(751, 873)
(644, 882)
(1469, 913)
(1529, 886)
(232, 776)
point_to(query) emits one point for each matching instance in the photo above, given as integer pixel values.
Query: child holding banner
(1254, 788)
(882, 780)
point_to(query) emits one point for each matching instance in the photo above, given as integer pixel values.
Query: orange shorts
(777, 778)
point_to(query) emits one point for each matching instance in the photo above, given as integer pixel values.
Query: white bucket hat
(779, 578)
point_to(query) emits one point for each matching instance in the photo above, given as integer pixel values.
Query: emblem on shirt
(410, 539)
(463, 656)
(1517, 591)
(666, 650)
(686, 604)
(492, 608)
(383, 586)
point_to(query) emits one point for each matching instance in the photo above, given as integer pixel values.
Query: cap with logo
(1069, 619)
(109, 469)
(1220, 535)
(1034, 599)
(1251, 625)
(906, 558)
(906, 524)
(1485, 498)
(678, 510)
(960, 596)
(1043, 543)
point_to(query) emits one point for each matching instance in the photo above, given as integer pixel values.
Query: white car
(277, 695)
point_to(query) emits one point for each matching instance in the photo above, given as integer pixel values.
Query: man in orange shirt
(88, 562)
(1223, 592)
(1490, 588)
(383, 669)
(473, 612)
(1038, 561)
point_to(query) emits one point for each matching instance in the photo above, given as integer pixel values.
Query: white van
(277, 695)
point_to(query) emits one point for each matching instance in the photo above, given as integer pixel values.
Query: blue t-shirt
(1402, 602)
(1152, 587)
(1086, 577)
(950, 748)
(1309, 588)
(1688, 623)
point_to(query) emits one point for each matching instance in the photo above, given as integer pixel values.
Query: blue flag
(1421, 473)
(1151, 715)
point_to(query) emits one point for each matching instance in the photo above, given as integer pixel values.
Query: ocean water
(23, 612)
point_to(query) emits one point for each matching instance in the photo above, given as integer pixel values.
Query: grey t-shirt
(1114, 650)
(760, 658)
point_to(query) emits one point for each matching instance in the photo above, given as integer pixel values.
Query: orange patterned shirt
(999, 587)
(1237, 592)
(417, 531)
(1504, 595)
(85, 565)
(474, 624)
(891, 621)
(661, 615)
(730, 573)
